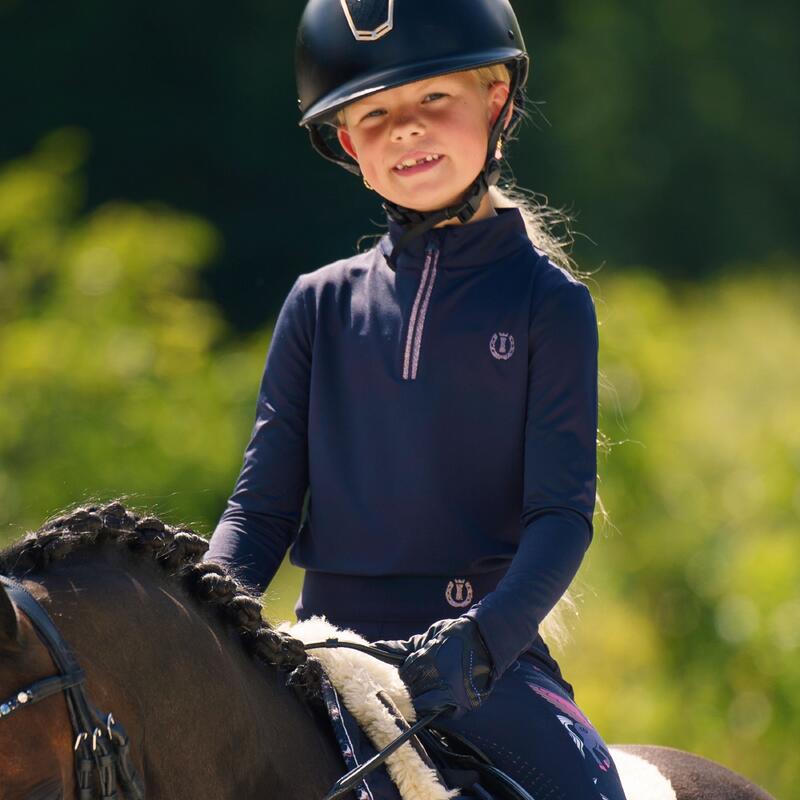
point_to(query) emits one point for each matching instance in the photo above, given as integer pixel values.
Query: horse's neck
(182, 684)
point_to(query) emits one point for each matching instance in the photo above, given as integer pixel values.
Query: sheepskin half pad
(358, 678)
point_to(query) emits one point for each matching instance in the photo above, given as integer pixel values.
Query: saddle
(463, 765)
(389, 754)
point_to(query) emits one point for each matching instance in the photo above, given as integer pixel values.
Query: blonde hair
(541, 224)
(541, 221)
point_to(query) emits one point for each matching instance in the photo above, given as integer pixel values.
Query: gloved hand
(447, 667)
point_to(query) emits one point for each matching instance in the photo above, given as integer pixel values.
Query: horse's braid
(151, 534)
(264, 645)
(117, 519)
(210, 582)
(85, 520)
(56, 549)
(306, 679)
(277, 648)
(176, 549)
(294, 651)
(185, 546)
(245, 611)
(219, 588)
(151, 525)
(34, 554)
(205, 568)
(192, 573)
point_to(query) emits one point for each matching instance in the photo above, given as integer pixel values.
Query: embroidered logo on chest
(502, 346)
(459, 593)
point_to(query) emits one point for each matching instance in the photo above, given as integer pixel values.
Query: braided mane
(179, 551)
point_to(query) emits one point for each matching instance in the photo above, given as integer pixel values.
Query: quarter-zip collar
(416, 324)
(461, 246)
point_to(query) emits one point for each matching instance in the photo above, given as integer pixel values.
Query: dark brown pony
(175, 649)
(178, 651)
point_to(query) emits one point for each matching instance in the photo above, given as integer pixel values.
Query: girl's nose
(406, 126)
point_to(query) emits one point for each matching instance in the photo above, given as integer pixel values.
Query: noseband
(101, 744)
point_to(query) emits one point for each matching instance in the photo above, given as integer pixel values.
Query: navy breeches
(530, 728)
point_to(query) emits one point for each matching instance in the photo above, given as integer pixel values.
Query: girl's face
(421, 145)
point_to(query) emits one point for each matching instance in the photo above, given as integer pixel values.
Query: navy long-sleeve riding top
(443, 416)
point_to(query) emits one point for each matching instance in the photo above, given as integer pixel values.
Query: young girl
(437, 395)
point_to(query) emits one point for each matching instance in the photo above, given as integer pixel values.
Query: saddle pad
(373, 694)
(356, 748)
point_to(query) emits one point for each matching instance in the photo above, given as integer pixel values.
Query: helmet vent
(369, 20)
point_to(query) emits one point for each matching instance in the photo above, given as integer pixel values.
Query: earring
(366, 183)
(498, 153)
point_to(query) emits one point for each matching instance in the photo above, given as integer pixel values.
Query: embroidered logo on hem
(463, 593)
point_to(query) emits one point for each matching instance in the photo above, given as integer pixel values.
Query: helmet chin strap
(418, 223)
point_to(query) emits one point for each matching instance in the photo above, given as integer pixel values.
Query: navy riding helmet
(349, 49)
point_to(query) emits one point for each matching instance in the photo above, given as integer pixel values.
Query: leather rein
(102, 748)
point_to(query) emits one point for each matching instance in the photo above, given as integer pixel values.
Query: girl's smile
(417, 162)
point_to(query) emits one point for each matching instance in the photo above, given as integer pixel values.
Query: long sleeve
(263, 513)
(560, 474)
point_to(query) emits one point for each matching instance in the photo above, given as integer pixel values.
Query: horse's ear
(9, 626)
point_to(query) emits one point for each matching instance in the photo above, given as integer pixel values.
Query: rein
(101, 744)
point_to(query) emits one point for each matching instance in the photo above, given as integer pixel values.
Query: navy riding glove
(447, 667)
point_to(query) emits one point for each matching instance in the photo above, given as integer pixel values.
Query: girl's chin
(420, 200)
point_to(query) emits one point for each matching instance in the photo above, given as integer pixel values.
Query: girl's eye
(380, 112)
(374, 114)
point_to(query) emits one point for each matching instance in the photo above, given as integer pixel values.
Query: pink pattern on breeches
(562, 704)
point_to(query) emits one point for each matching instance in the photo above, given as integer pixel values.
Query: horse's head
(35, 740)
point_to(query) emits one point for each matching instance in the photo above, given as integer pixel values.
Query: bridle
(102, 749)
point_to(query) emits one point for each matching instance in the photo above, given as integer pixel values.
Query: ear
(346, 141)
(9, 626)
(498, 94)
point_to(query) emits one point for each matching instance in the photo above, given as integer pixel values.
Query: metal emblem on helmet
(369, 19)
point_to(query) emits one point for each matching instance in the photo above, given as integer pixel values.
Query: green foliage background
(669, 126)
(118, 379)
(157, 201)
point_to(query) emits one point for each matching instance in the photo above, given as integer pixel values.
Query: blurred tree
(673, 133)
(692, 633)
(115, 377)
